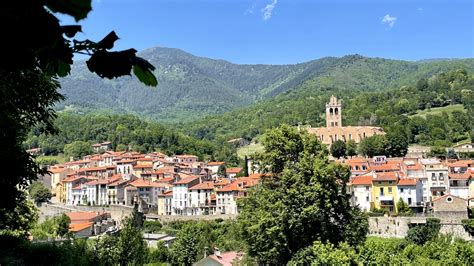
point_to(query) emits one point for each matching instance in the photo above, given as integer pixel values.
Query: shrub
(422, 233)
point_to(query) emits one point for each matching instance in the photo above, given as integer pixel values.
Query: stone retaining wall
(398, 227)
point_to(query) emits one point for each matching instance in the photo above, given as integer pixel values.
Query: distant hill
(191, 87)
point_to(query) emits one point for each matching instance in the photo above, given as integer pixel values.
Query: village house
(227, 196)
(164, 203)
(384, 188)
(201, 195)
(181, 200)
(436, 175)
(104, 146)
(410, 190)
(358, 166)
(145, 190)
(232, 172)
(361, 191)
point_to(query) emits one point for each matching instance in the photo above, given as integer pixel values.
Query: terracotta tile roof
(215, 163)
(143, 166)
(186, 156)
(57, 170)
(240, 184)
(77, 187)
(407, 182)
(385, 167)
(386, 176)
(72, 178)
(168, 193)
(203, 185)
(79, 226)
(461, 163)
(166, 179)
(186, 180)
(234, 170)
(362, 180)
(82, 216)
(464, 176)
(140, 182)
(357, 160)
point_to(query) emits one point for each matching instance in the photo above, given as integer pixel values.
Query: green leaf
(108, 41)
(78, 9)
(145, 76)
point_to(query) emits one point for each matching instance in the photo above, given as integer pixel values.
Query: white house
(410, 190)
(227, 196)
(201, 195)
(361, 191)
(436, 178)
(459, 184)
(181, 198)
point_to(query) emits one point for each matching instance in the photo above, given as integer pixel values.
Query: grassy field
(436, 111)
(249, 150)
(58, 158)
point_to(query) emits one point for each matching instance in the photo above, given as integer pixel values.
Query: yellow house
(58, 174)
(384, 190)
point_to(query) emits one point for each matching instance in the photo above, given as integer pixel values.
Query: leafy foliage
(422, 233)
(403, 209)
(39, 192)
(338, 149)
(57, 226)
(77, 149)
(76, 133)
(40, 51)
(302, 201)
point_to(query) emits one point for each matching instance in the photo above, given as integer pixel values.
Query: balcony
(386, 198)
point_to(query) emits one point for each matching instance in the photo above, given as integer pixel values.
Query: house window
(390, 182)
(441, 177)
(409, 201)
(433, 176)
(367, 188)
(401, 190)
(367, 198)
(389, 190)
(363, 167)
(356, 167)
(381, 191)
(350, 136)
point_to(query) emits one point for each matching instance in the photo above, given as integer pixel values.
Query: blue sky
(289, 31)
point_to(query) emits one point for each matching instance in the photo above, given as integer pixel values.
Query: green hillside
(192, 87)
(439, 110)
(388, 108)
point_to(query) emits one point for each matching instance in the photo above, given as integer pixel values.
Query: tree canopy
(39, 50)
(302, 200)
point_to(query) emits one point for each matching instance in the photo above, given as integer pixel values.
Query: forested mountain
(394, 108)
(191, 87)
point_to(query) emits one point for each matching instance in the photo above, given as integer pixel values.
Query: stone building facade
(335, 131)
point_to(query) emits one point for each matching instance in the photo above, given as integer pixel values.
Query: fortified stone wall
(398, 227)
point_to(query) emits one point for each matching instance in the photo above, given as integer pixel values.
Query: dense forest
(389, 108)
(192, 87)
(125, 132)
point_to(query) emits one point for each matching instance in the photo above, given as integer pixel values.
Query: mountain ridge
(192, 87)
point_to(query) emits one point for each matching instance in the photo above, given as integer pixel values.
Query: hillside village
(165, 185)
(182, 185)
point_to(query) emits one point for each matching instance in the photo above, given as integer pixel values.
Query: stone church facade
(334, 129)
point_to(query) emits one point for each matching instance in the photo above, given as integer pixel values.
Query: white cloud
(389, 20)
(250, 10)
(268, 9)
(420, 10)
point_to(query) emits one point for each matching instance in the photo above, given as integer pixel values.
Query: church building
(334, 129)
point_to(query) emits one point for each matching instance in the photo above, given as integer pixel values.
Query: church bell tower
(334, 113)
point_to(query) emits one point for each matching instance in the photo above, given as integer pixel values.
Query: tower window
(331, 111)
(336, 111)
